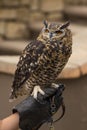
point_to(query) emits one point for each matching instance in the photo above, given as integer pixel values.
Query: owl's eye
(58, 32)
(46, 30)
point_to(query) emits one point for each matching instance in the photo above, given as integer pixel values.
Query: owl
(42, 60)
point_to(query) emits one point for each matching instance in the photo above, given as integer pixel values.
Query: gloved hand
(33, 113)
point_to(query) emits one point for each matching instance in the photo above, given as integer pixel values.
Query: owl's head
(53, 31)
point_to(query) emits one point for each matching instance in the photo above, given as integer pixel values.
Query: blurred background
(20, 22)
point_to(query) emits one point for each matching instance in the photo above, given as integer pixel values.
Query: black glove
(33, 113)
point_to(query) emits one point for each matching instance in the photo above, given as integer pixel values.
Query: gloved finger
(50, 91)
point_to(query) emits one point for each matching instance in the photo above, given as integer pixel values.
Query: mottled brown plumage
(43, 59)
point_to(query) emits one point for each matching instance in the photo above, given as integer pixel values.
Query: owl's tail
(12, 97)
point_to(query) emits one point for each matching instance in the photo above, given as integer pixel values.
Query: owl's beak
(50, 35)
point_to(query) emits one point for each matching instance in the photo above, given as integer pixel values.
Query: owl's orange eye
(46, 30)
(58, 32)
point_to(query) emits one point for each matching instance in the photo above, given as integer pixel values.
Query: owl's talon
(36, 90)
(55, 85)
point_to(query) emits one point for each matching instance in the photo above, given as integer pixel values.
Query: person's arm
(31, 114)
(10, 123)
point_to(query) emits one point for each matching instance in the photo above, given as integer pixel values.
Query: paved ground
(77, 65)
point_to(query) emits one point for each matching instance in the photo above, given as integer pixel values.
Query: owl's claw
(36, 90)
(55, 85)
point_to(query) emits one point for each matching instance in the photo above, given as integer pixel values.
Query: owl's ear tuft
(45, 23)
(65, 25)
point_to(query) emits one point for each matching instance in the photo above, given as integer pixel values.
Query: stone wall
(76, 2)
(18, 16)
(76, 11)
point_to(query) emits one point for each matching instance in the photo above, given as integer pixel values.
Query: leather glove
(33, 113)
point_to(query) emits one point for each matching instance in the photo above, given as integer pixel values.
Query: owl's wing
(28, 63)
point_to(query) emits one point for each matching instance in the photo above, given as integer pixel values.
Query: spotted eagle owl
(42, 60)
